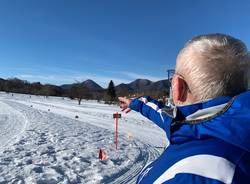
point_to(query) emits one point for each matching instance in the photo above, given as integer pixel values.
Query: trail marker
(103, 154)
(116, 116)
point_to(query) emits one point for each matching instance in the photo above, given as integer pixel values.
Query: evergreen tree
(111, 92)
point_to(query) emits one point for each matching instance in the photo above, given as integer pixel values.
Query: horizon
(104, 87)
(59, 42)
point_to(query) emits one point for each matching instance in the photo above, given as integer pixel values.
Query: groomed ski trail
(47, 151)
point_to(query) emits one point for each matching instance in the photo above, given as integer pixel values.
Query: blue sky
(60, 41)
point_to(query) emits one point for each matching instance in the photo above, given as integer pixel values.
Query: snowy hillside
(42, 142)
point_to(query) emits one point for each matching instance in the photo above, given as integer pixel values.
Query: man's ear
(180, 90)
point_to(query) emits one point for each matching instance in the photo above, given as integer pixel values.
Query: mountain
(123, 89)
(66, 86)
(138, 87)
(90, 84)
(143, 86)
(140, 84)
(159, 85)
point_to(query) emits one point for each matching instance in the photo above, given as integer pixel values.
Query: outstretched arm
(149, 108)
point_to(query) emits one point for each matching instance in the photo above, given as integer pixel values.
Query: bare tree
(79, 92)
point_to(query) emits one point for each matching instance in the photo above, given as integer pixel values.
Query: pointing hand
(124, 104)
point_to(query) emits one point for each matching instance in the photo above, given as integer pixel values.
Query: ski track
(12, 125)
(45, 148)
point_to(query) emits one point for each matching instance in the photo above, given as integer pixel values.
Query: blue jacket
(209, 142)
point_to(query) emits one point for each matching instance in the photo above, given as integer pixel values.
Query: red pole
(116, 132)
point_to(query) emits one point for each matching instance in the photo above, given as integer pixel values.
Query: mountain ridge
(138, 86)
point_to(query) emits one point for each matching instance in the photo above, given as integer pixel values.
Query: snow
(42, 142)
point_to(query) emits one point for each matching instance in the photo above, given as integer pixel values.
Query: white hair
(214, 65)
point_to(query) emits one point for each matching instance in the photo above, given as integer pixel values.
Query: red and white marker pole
(116, 132)
(116, 116)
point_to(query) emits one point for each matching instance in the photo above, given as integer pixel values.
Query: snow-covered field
(42, 142)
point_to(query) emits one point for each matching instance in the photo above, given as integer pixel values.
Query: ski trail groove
(148, 154)
(12, 125)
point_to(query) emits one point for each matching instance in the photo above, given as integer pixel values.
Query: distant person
(209, 129)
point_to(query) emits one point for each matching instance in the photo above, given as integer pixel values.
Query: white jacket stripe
(143, 99)
(153, 106)
(208, 166)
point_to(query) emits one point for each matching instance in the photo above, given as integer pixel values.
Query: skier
(209, 128)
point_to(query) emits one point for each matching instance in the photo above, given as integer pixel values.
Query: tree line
(78, 91)
(15, 85)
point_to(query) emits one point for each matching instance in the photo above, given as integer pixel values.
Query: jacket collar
(187, 110)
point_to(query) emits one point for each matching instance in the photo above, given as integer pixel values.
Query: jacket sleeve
(152, 110)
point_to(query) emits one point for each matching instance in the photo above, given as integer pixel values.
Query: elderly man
(209, 129)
